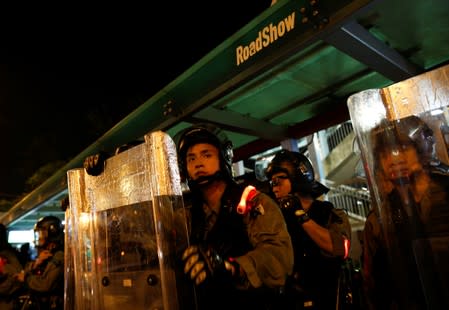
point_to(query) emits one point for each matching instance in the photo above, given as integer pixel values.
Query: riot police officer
(411, 217)
(44, 277)
(320, 232)
(420, 133)
(240, 253)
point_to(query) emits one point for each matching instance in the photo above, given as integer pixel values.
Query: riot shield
(69, 273)
(127, 227)
(402, 134)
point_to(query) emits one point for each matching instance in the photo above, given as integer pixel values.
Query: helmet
(204, 133)
(419, 132)
(299, 170)
(294, 164)
(51, 229)
(391, 137)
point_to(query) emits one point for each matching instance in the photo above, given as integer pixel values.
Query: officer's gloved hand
(292, 205)
(202, 263)
(94, 164)
(290, 202)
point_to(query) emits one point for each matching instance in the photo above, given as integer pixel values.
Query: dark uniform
(316, 273)
(314, 283)
(377, 281)
(408, 241)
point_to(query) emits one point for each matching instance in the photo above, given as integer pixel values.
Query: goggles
(275, 181)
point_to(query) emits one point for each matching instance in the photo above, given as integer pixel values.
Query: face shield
(40, 237)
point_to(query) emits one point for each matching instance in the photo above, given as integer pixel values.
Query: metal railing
(335, 135)
(355, 201)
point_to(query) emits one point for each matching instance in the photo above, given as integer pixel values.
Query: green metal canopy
(286, 74)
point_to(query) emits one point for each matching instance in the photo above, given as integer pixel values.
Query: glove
(205, 263)
(94, 164)
(293, 205)
(290, 202)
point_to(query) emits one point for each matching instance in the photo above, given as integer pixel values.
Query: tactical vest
(228, 236)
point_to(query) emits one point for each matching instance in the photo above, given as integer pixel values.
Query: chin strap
(205, 180)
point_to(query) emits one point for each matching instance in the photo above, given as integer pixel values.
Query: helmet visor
(40, 237)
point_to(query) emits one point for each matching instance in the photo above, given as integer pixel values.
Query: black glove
(94, 164)
(293, 205)
(290, 202)
(202, 263)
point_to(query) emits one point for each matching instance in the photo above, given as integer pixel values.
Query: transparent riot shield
(69, 274)
(127, 228)
(402, 132)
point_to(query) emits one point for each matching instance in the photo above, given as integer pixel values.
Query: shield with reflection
(402, 131)
(125, 230)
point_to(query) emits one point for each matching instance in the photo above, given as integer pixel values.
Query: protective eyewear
(275, 181)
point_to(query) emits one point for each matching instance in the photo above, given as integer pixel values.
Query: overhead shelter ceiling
(286, 74)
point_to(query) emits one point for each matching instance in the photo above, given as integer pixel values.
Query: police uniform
(259, 243)
(44, 283)
(414, 236)
(316, 273)
(314, 283)
(378, 287)
(256, 241)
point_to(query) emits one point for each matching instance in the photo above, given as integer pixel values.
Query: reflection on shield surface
(402, 132)
(126, 229)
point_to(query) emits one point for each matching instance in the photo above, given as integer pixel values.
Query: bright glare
(436, 112)
(21, 236)
(366, 109)
(84, 219)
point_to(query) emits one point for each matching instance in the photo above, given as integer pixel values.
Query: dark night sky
(67, 78)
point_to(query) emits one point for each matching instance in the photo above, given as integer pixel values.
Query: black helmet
(204, 133)
(299, 170)
(419, 132)
(391, 137)
(413, 126)
(52, 227)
